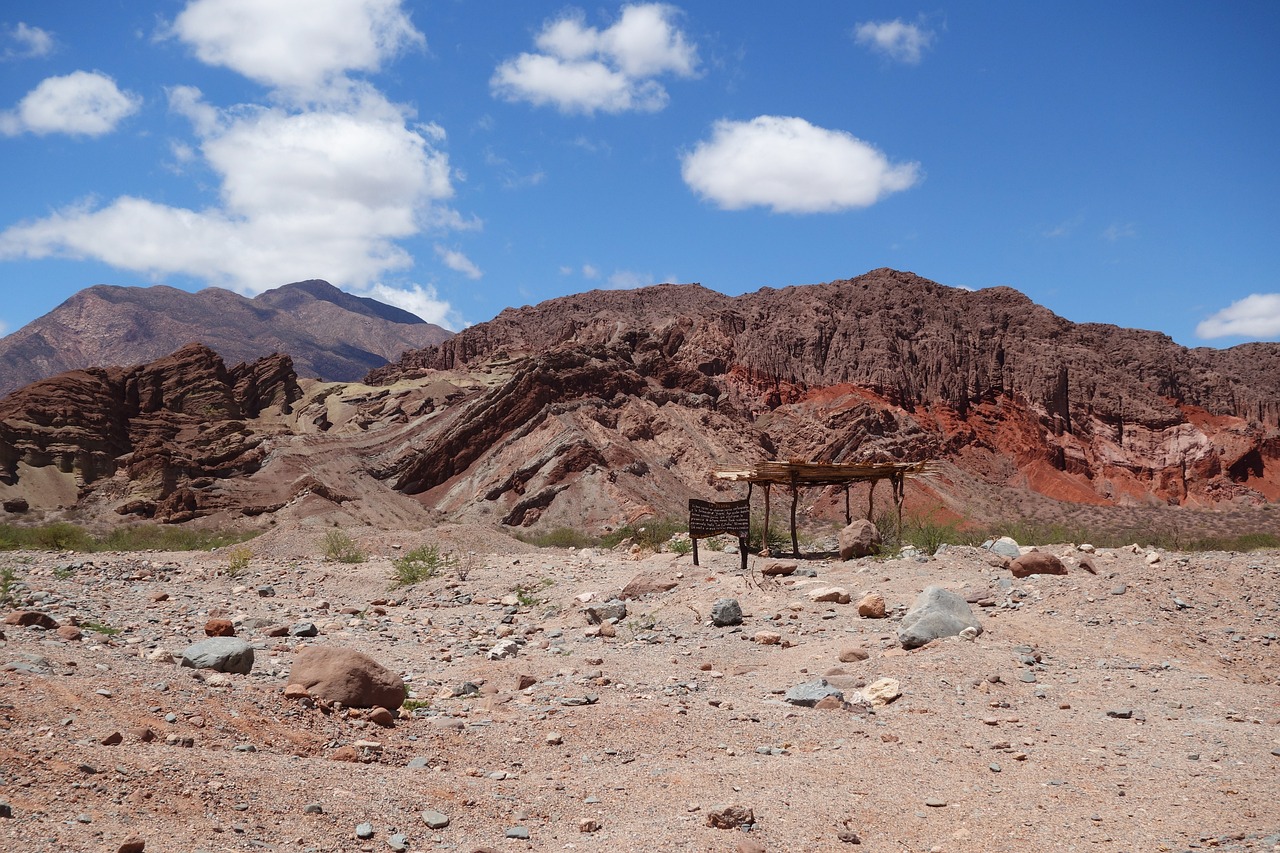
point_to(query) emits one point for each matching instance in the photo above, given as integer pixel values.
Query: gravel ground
(1134, 709)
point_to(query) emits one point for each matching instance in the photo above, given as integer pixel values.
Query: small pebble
(364, 831)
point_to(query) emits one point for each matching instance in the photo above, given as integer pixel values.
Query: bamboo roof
(824, 473)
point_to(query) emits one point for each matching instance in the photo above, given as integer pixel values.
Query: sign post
(710, 518)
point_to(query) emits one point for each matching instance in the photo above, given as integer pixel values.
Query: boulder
(859, 539)
(777, 569)
(334, 674)
(1036, 563)
(872, 606)
(31, 619)
(221, 654)
(219, 628)
(830, 594)
(881, 692)
(936, 613)
(609, 612)
(1005, 546)
(725, 612)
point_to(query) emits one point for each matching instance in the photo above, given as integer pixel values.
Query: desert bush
(420, 564)
(238, 560)
(341, 548)
(8, 585)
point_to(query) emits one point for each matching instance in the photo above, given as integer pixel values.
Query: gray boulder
(726, 611)
(1005, 546)
(937, 612)
(221, 654)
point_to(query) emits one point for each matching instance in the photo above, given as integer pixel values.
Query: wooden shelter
(797, 475)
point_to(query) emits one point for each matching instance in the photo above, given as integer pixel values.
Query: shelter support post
(764, 550)
(795, 499)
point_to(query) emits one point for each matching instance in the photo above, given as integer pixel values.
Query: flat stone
(221, 654)
(364, 831)
(434, 819)
(517, 832)
(810, 693)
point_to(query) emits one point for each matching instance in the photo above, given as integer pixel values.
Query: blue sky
(1114, 161)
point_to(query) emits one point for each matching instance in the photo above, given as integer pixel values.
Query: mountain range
(608, 407)
(328, 333)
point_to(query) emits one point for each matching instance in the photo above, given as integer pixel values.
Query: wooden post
(694, 540)
(795, 499)
(899, 496)
(742, 551)
(871, 500)
(848, 516)
(764, 549)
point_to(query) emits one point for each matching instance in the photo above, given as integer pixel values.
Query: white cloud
(416, 299)
(895, 39)
(458, 262)
(81, 103)
(581, 69)
(791, 166)
(4, 328)
(23, 41)
(589, 271)
(303, 47)
(1117, 231)
(321, 194)
(1256, 316)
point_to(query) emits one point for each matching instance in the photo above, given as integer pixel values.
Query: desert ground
(1131, 709)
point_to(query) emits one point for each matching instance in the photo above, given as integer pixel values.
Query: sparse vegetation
(420, 564)
(526, 595)
(101, 628)
(65, 536)
(560, 537)
(341, 548)
(8, 584)
(238, 561)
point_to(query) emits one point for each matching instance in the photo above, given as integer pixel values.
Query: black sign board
(709, 518)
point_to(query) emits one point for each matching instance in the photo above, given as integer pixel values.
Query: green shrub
(341, 548)
(8, 584)
(560, 537)
(420, 564)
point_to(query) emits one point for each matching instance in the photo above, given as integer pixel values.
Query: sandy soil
(1135, 709)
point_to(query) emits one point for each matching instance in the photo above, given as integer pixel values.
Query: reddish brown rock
(70, 633)
(852, 654)
(344, 753)
(112, 739)
(648, 583)
(356, 680)
(31, 619)
(525, 681)
(730, 817)
(381, 717)
(296, 691)
(1036, 563)
(220, 628)
(132, 844)
(778, 569)
(859, 538)
(871, 606)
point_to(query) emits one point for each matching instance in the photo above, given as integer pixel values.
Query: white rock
(882, 691)
(503, 649)
(835, 594)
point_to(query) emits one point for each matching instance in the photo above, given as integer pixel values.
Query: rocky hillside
(608, 407)
(328, 333)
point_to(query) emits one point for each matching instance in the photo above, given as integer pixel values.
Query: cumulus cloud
(1256, 316)
(82, 103)
(895, 39)
(321, 194)
(458, 262)
(23, 41)
(418, 299)
(791, 166)
(581, 69)
(298, 47)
